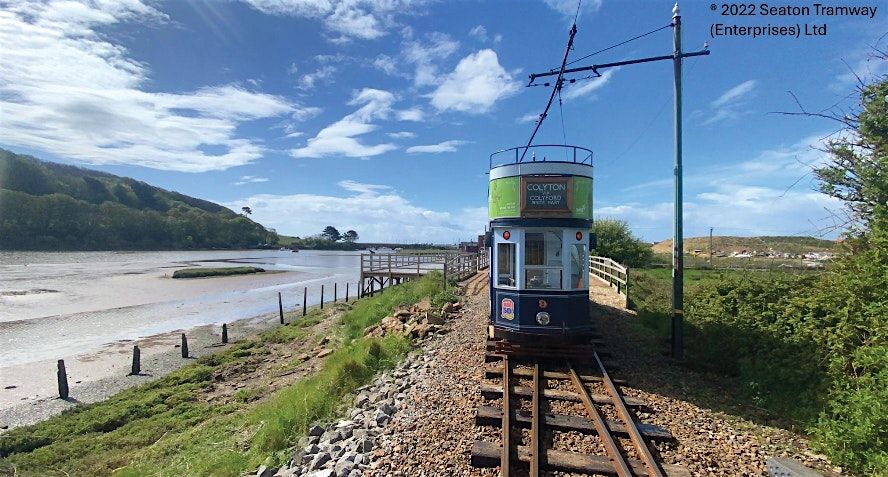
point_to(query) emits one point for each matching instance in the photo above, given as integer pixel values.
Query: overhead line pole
(678, 233)
(678, 229)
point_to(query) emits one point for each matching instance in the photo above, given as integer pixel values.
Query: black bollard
(281, 307)
(184, 346)
(137, 361)
(322, 297)
(335, 291)
(224, 333)
(304, 301)
(346, 292)
(63, 380)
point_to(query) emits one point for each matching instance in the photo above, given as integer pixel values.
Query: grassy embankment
(215, 272)
(789, 340)
(170, 428)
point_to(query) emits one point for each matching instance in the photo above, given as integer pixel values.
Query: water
(54, 305)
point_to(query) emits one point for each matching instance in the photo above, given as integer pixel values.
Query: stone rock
(316, 430)
(324, 353)
(318, 461)
(435, 320)
(366, 445)
(322, 473)
(447, 308)
(330, 437)
(403, 314)
(381, 418)
(457, 306)
(344, 467)
(265, 471)
(392, 324)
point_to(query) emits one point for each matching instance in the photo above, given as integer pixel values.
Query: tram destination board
(546, 196)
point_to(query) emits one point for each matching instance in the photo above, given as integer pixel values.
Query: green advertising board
(582, 198)
(505, 198)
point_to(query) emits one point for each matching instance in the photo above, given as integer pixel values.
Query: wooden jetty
(381, 270)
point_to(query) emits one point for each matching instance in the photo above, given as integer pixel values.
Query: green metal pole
(677, 238)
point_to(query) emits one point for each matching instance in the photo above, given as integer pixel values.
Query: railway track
(533, 386)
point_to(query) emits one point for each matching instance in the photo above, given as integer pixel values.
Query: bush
(616, 241)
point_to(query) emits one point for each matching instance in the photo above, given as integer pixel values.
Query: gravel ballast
(419, 419)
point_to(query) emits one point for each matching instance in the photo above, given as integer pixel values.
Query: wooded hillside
(50, 206)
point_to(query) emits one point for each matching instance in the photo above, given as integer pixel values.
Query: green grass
(215, 272)
(165, 428)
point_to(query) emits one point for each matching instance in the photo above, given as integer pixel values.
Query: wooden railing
(386, 269)
(611, 272)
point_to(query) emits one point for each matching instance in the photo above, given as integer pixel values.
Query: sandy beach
(91, 308)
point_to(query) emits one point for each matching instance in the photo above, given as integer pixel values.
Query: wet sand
(89, 309)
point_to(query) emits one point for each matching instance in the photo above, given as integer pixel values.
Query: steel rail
(535, 425)
(506, 457)
(613, 451)
(637, 440)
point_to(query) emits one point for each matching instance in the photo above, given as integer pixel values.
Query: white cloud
(568, 8)
(424, 55)
(479, 32)
(733, 209)
(476, 84)
(401, 135)
(376, 212)
(250, 180)
(67, 90)
(386, 64)
(731, 103)
(589, 86)
(347, 19)
(528, 118)
(339, 138)
(412, 114)
(310, 80)
(446, 146)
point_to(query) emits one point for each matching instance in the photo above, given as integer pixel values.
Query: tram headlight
(543, 318)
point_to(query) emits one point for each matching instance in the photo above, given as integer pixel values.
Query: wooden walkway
(381, 270)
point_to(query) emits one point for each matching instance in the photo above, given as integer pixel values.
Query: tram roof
(529, 154)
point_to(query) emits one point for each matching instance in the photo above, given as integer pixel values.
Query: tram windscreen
(505, 264)
(542, 260)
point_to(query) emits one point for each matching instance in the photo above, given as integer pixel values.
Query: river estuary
(75, 305)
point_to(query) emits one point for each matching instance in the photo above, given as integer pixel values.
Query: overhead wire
(617, 44)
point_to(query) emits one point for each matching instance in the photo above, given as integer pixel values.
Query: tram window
(542, 260)
(505, 264)
(577, 266)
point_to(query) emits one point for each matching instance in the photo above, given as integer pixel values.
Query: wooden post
(346, 292)
(335, 291)
(627, 288)
(184, 346)
(322, 297)
(224, 333)
(137, 362)
(281, 307)
(63, 380)
(304, 301)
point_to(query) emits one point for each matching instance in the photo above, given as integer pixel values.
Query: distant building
(471, 247)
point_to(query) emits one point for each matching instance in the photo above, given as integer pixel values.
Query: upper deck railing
(542, 153)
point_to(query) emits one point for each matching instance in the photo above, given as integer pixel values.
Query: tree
(330, 233)
(247, 210)
(350, 236)
(615, 241)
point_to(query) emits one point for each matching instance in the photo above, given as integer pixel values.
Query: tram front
(540, 219)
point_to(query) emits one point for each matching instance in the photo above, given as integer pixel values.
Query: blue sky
(380, 116)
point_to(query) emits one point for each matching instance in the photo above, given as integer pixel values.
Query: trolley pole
(677, 236)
